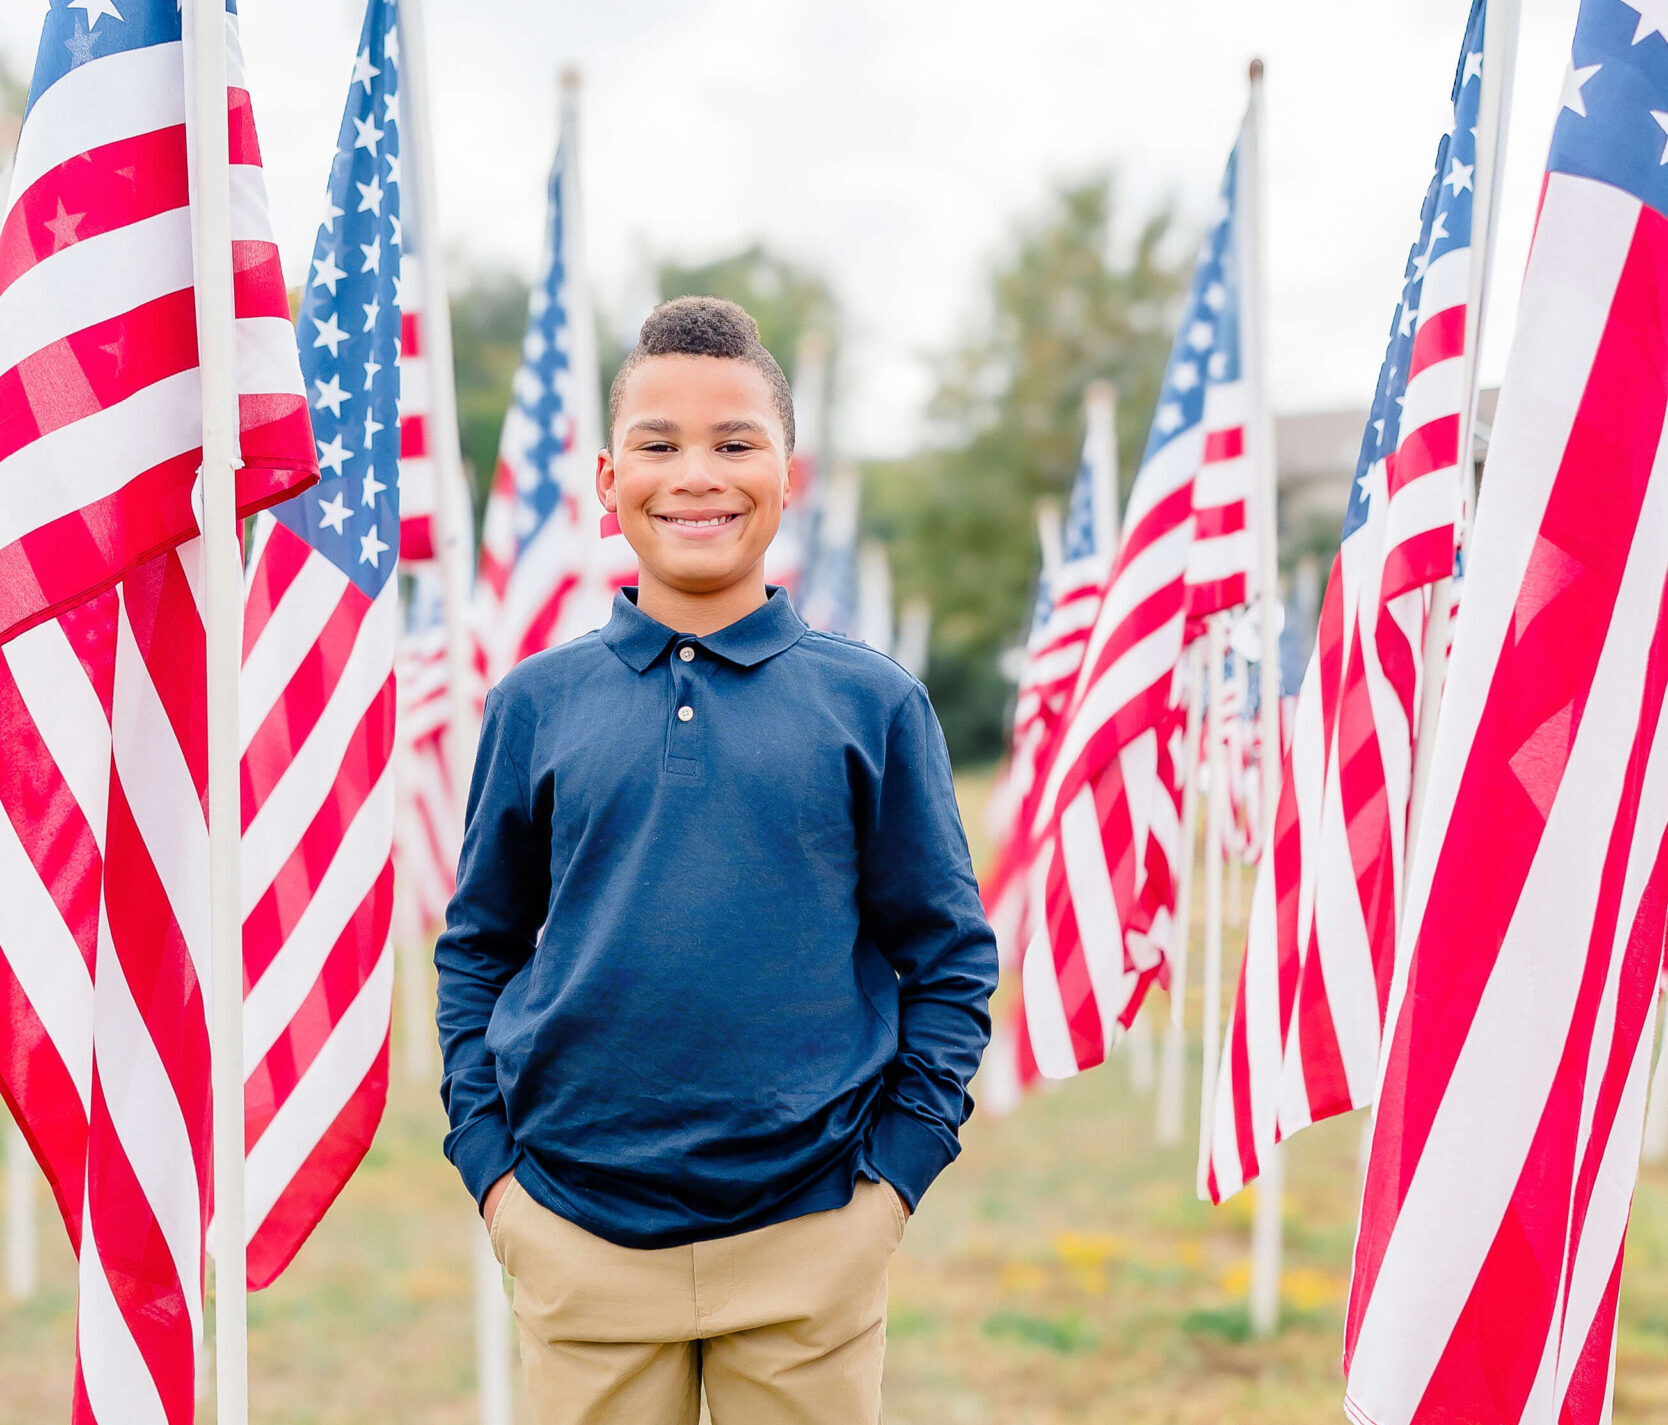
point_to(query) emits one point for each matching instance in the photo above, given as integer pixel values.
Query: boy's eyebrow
(654, 425)
(738, 427)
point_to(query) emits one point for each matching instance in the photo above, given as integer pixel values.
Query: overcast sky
(895, 146)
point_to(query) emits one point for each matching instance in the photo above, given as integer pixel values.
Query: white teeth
(698, 524)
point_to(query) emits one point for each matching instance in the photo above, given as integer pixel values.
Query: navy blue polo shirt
(716, 950)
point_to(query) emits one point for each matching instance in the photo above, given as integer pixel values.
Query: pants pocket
(495, 1234)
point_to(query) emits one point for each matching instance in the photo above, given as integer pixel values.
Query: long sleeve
(920, 901)
(492, 926)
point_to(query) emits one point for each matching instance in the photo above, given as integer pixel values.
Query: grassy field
(1060, 1273)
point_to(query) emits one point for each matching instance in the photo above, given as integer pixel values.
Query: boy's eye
(656, 445)
(735, 447)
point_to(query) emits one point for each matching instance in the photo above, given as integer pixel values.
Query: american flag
(428, 829)
(100, 423)
(830, 596)
(786, 559)
(1105, 825)
(318, 704)
(104, 1056)
(1512, 1092)
(547, 574)
(419, 480)
(1303, 1041)
(1061, 619)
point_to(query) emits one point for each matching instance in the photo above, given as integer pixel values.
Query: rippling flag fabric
(1105, 816)
(1302, 1043)
(1507, 1135)
(318, 704)
(100, 406)
(104, 1054)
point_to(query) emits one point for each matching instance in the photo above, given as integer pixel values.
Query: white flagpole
(22, 1270)
(1655, 1149)
(1051, 539)
(223, 626)
(1216, 816)
(1266, 1233)
(1500, 31)
(492, 1322)
(1100, 413)
(1172, 1073)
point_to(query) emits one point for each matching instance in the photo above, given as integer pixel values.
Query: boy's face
(698, 472)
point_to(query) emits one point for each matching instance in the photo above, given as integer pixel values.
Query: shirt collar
(639, 640)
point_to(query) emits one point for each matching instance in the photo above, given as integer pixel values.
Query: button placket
(682, 745)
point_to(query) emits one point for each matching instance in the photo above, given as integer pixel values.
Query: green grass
(1060, 1273)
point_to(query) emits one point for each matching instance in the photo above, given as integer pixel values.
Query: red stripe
(1215, 595)
(1421, 560)
(1239, 1078)
(139, 1268)
(1366, 808)
(43, 1099)
(1167, 516)
(1440, 337)
(283, 557)
(411, 336)
(1215, 521)
(96, 368)
(417, 540)
(1071, 972)
(296, 711)
(162, 613)
(272, 920)
(258, 280)
(536, 637)
(346, 968)
(1434, 446)
(1540, 685)
(1325, 1085)
(414, 436)
(1223, 445)
(240, 115)
(323, 1174)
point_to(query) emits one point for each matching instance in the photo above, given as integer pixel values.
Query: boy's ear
(605, 481)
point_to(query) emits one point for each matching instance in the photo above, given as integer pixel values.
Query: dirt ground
(1060, 1273)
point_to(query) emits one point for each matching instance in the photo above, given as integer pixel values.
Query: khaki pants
(786, 1325)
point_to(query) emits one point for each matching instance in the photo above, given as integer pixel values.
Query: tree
(1065, 309)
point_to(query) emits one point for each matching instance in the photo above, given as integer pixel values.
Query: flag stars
(373, 310)
(1574, 80)
(327, 273)
(332, 455)
(1661, 118)
(371, 549)
(1169, 418)
(372, 488)
(63, 227)
(329, 335)
(391, 47)
(1653, 18)
(334, 513)
(396, 232)
(373, 256)
(331, 395)
(393, 162)
(372, 427)
(364, 71)
(80, 47)
(1216, 296)
(369, 135)
(331, 213)
(1200, 336)
(1473, 68)
(370, 196)
(96, 10)
(371, 368)
(1185, 377)
(1459, 177)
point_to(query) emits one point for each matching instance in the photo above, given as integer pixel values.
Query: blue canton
(544, 428)
(76, 32)
(1207, 348)
(1613, 126)
(1444, 226)
(350, 327)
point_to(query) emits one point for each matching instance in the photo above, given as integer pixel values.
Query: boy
(715, 977)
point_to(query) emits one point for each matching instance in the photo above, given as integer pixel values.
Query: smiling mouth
(705, 522)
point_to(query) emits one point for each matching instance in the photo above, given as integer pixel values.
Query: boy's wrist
(909, 1153)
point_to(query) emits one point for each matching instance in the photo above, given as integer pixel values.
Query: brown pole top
(1256, 70)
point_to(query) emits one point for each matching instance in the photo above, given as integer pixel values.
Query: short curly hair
(704, 326)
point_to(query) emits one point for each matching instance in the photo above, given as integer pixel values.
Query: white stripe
(118, 1382)
(1168, 471)
(289, 809)
(1224, 482)
(116, 272)
(333, 1077)
(67, 713)
(118, 96)
(1437, 391)
(146, 1115)
(266, 360)
(1045, 1015)
(1094, 909)
(1447, 284)
(288, 637)
(1480, 1134)
(96, 456)
(1220, 558)
(284, 985)
(162, 796)
(1153, 571)
(1581, 244)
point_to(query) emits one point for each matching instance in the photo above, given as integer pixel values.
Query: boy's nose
(697, 475)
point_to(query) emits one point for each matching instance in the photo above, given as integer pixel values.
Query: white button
(685, 713)
(687, 654)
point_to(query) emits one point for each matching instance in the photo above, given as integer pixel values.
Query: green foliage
(785, 300)
(1065, 1335)
(489, 319)
(1068, 307)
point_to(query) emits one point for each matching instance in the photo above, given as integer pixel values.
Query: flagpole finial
(1256, 71)
(571, 79)
(1100, 392)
